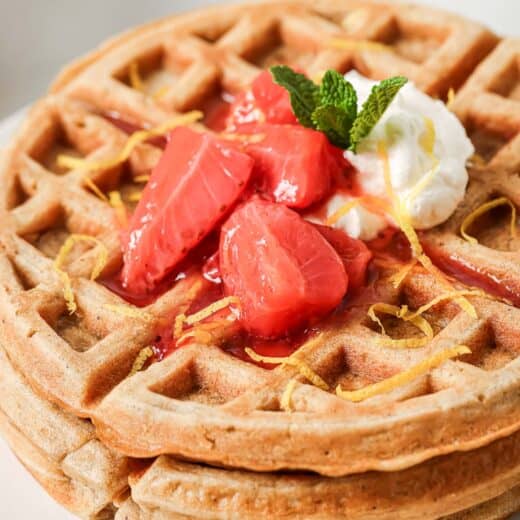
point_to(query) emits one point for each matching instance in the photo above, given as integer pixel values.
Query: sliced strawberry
(294, 165)
(195, 182)
(264, 102)
(284, 272)
(355, 255)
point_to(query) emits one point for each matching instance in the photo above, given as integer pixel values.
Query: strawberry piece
(294, 165)
(284, 272)
(354, 253)
(264, 102)
(193, 185)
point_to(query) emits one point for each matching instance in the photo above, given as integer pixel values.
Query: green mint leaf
(303, 92)
(373, 109)
(337, 91)
(335, 122)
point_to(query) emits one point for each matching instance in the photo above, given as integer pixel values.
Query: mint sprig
(332, 107)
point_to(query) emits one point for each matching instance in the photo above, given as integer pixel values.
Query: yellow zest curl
(65, 249)
(211, 309)
(94, 188)
(285, 401)
(144, 355)
(403, 220)
(135, 77)
(398, 278)
(341, 212)
(202, 336)
(135, 197)
(484, 208)
(402, 313)
(115, 200)
(403, 378)
(358, 45)
(161, 92)
(129, 312)
(141, 178)
(66, 161)
(451, 98)
(179, 325)
(302, 367)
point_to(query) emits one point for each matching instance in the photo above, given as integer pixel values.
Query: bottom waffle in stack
(61, 451)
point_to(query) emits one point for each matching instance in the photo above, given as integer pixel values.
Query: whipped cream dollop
(419, 135)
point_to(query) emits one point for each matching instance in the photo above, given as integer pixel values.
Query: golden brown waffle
(200, 402)
(61, 451)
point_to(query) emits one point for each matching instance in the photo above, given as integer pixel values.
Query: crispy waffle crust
(200, 402)
(62, 453)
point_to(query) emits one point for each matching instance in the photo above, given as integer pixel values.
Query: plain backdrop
(37, 37)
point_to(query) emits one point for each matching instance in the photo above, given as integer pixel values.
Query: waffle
(95, 482)
(200, 402)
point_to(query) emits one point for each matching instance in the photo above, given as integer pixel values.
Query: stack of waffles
(202, 433)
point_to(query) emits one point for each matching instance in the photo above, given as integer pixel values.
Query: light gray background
(37, 37)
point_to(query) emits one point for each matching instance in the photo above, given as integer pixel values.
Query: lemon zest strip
(402, 313)
(403, 378)
(484, 208)
(129, 312)
(134, 76)
(358, 45)
(397, 278)
(451, 98)
(144, 355)
(135, 197)
(404, 222)
(135, 139)
(302, 367)
(141, 178)
(202, 336)
(115, 200)
(341, 212)
(285, 401)
(179, 325)
(211, 309)
(95, 189)
(161, 92)
(65, 249)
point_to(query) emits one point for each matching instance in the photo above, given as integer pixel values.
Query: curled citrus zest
(94, 188)
(358, 45)
(451, 98)
(484, 208)
(285, 401)
(161, 92)
(134, 76)
(135, 139)
(403, 220)
(202, 336)
(141, 178)
(129, 312)
(211, 309)
(115, 200)
(302, 367)
(65, 249)
(403, 378)
(179, 325)
(476, 160)
(144, 355)
(135, 197)
(397, 278)
(402, 313)
(341, 212)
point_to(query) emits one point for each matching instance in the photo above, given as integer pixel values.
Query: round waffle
(63, 454)
(200, 402)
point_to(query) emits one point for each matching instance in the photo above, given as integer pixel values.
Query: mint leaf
(337, 91)
(374, 108)
(335, 123)
(303, 92)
